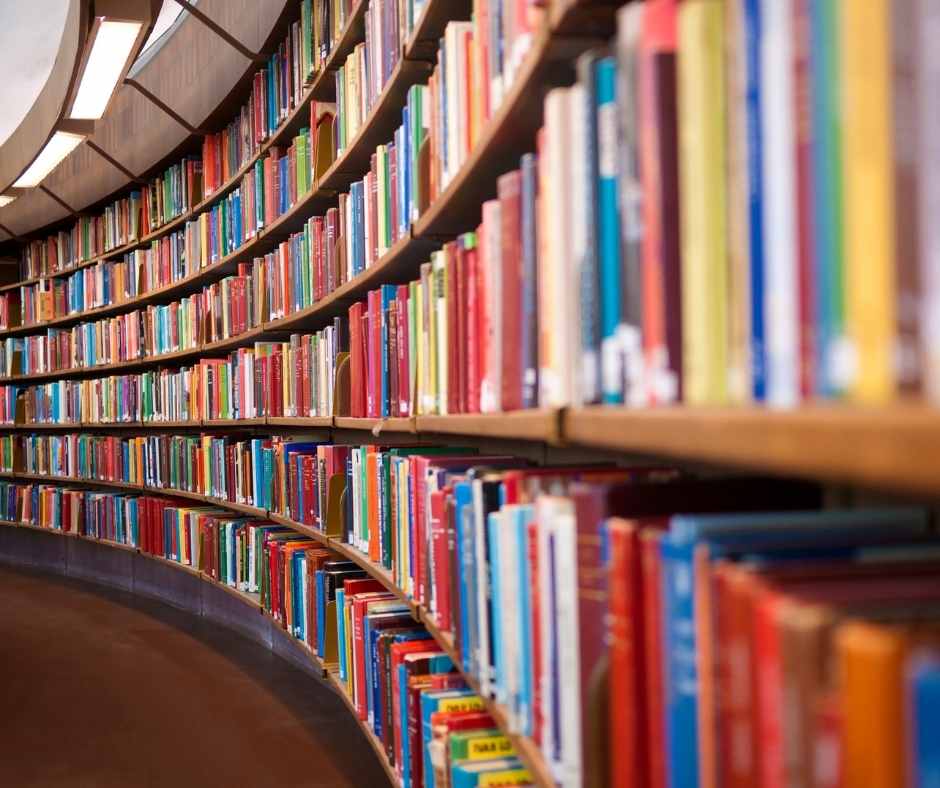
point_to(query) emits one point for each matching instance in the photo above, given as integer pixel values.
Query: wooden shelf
(539, 424)
(894, 448)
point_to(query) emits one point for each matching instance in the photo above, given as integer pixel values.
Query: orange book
(870, 662)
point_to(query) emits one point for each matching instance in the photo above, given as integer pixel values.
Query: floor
(102, 688)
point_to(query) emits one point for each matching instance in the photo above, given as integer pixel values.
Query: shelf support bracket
(114, 162)
(163, 106)
(9, 232)
(221, 32)
(58, 199)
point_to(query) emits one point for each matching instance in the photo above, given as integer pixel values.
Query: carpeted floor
(101, 688)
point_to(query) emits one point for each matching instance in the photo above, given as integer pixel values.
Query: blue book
(466, 588)
(530, 295)
(341, 631)
(755, 168)
(320, 612)
(298, 596)
(925, 708)
(524, 515)
(799, 535)
(388, 295)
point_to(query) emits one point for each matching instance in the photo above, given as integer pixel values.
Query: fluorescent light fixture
(112, 46)
(6, 199)
(60, 145)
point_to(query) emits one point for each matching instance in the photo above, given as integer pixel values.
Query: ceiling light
(6, 199)
(60, 145)
(112, 46)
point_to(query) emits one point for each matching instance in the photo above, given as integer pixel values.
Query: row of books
(365, 72)
(97, 515)
(743, 192)
(294, 378)
(176, 191)
(456, 340)
(219, 311)
(266, 191)
(170, 194)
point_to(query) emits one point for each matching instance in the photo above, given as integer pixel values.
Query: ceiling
(29, 40)
(30, 34)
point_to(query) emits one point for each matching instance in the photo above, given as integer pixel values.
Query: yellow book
(417, 379)
(702, 178)
(429, 396)
(870, 662)
(439, 305)
(868, 195)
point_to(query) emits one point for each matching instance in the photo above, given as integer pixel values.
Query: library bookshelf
(892, 448)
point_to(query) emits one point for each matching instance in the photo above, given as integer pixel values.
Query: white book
(781, 288)
(491, 385)
(553, 252)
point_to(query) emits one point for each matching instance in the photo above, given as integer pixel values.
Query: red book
(357, 394)
(440, 581)
(398, 652)
(308, 470)
(360, 605)
(509, 188)
(662, 328)
(535, 605)
(276, 386)
(652, 659)
(404, 354)
(463, 328)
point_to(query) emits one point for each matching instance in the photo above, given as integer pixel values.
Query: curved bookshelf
(526, 748)
(325, 671)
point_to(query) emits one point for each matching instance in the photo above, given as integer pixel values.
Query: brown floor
(101, 688)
